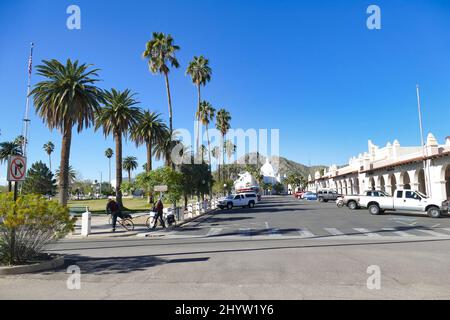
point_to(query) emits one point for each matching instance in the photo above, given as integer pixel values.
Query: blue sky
(309, 68)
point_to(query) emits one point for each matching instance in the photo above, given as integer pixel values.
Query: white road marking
(367, 232)
(398, 232)
(436, 225)
(446, 229)
(214, 232)
(432, 233)
(334, 231)
(272, 232)
(305, 233)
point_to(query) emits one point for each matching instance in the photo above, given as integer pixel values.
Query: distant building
(393, 167)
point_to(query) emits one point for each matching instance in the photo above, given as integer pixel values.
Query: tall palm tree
(223, 125)
(150, 130)
(130, 164)
(71, 172)
(230, 149)
(109, 153)
(49, 147)
(160, 52)
(9, 148)
(200, 73)
(116, 117)
(67, 98)
(206, 115)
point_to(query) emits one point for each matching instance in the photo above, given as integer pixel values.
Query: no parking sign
(17, 167)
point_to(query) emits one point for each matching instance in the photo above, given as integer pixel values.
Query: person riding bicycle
(158, 209)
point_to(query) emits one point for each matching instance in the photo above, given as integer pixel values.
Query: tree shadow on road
(121, 265)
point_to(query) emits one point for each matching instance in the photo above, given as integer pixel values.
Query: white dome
(267, 169)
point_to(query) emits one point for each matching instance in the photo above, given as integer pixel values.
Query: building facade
(390, 168)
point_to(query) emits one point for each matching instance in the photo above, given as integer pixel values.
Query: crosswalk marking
(446, 229)
(367, 232)
(214, 232)
(305, 233)
(433, 233)
(398, 232)
(334, 231)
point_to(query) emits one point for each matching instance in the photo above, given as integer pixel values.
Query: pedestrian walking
(158, 209)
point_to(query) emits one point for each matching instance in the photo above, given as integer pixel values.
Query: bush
(28, 225)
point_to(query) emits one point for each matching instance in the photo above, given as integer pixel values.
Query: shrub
(28, 225)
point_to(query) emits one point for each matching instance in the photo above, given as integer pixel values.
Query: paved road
(282, 249)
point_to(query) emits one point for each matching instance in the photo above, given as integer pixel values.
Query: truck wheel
(434, 212)
(251, 204)
(352, 205)
(374, 209)
(340, 204)
(229, 206)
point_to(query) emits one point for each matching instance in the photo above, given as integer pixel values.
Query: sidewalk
(100, 227)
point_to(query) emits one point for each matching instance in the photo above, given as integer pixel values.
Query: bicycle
(169, 219)
(126, 222)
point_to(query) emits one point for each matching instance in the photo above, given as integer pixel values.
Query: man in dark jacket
(113, 209)
(158, 208)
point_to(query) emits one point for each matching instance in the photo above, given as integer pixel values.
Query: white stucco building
(392, 167)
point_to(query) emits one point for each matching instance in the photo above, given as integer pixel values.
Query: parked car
(350, 201)
(405, 200)
(327, 195)
(309, 196)
(238, 200)
(298, 194)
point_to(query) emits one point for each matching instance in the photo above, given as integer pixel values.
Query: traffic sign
(17, 167)
(162, 188)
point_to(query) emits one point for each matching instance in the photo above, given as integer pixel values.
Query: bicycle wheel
(127, 224)
(149, 222)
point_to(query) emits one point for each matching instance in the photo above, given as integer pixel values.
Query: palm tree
(116, 117)
(206, 114)
(72, 176)
(215, 152)
(160, 52)
(223, 125)
(49, 147)
(9, 148)
(130, 164)
(67, 98)
(230, 149)
(150, 130)
(109, 153)
(200, 72)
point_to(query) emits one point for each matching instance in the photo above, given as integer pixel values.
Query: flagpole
(425, 166)
(27, 107)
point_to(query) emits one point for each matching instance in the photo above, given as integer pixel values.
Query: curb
(110, 235)
(195, 218)
(43, 266)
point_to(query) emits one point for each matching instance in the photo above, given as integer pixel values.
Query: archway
(356, 186)
(447, 180)
(421, 181)
(393, 182)
(372, 183)
(382, 184)
(351, 187)
(406, 181)
(339, 185)
(345, 191)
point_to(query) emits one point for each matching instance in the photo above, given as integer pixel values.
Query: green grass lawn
(99, 206)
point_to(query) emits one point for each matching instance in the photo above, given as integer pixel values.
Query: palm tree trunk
(109, 170)
(223, 158)
(50, 161)
(169, 100)
(64, 166)
(209, 147)
(198, 118)
(118, 140)
(149, 168)
(129, 176)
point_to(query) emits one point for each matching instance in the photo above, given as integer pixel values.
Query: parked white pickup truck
(404, 200)
(238, 200)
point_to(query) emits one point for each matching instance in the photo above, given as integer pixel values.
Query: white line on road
(214, 232)
(398, 232)
(305, 233)
(334, 231)
(432, 233)
(367, 232)
(272, 232)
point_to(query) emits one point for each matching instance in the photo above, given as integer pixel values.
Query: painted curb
(43, 266)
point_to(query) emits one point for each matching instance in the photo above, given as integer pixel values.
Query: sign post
(17, 167)
(160, 189)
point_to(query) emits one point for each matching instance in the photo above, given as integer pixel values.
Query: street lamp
(224, 189)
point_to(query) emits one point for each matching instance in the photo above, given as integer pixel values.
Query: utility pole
(27, 106)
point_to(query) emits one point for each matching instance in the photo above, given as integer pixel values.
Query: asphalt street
(282, 249)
